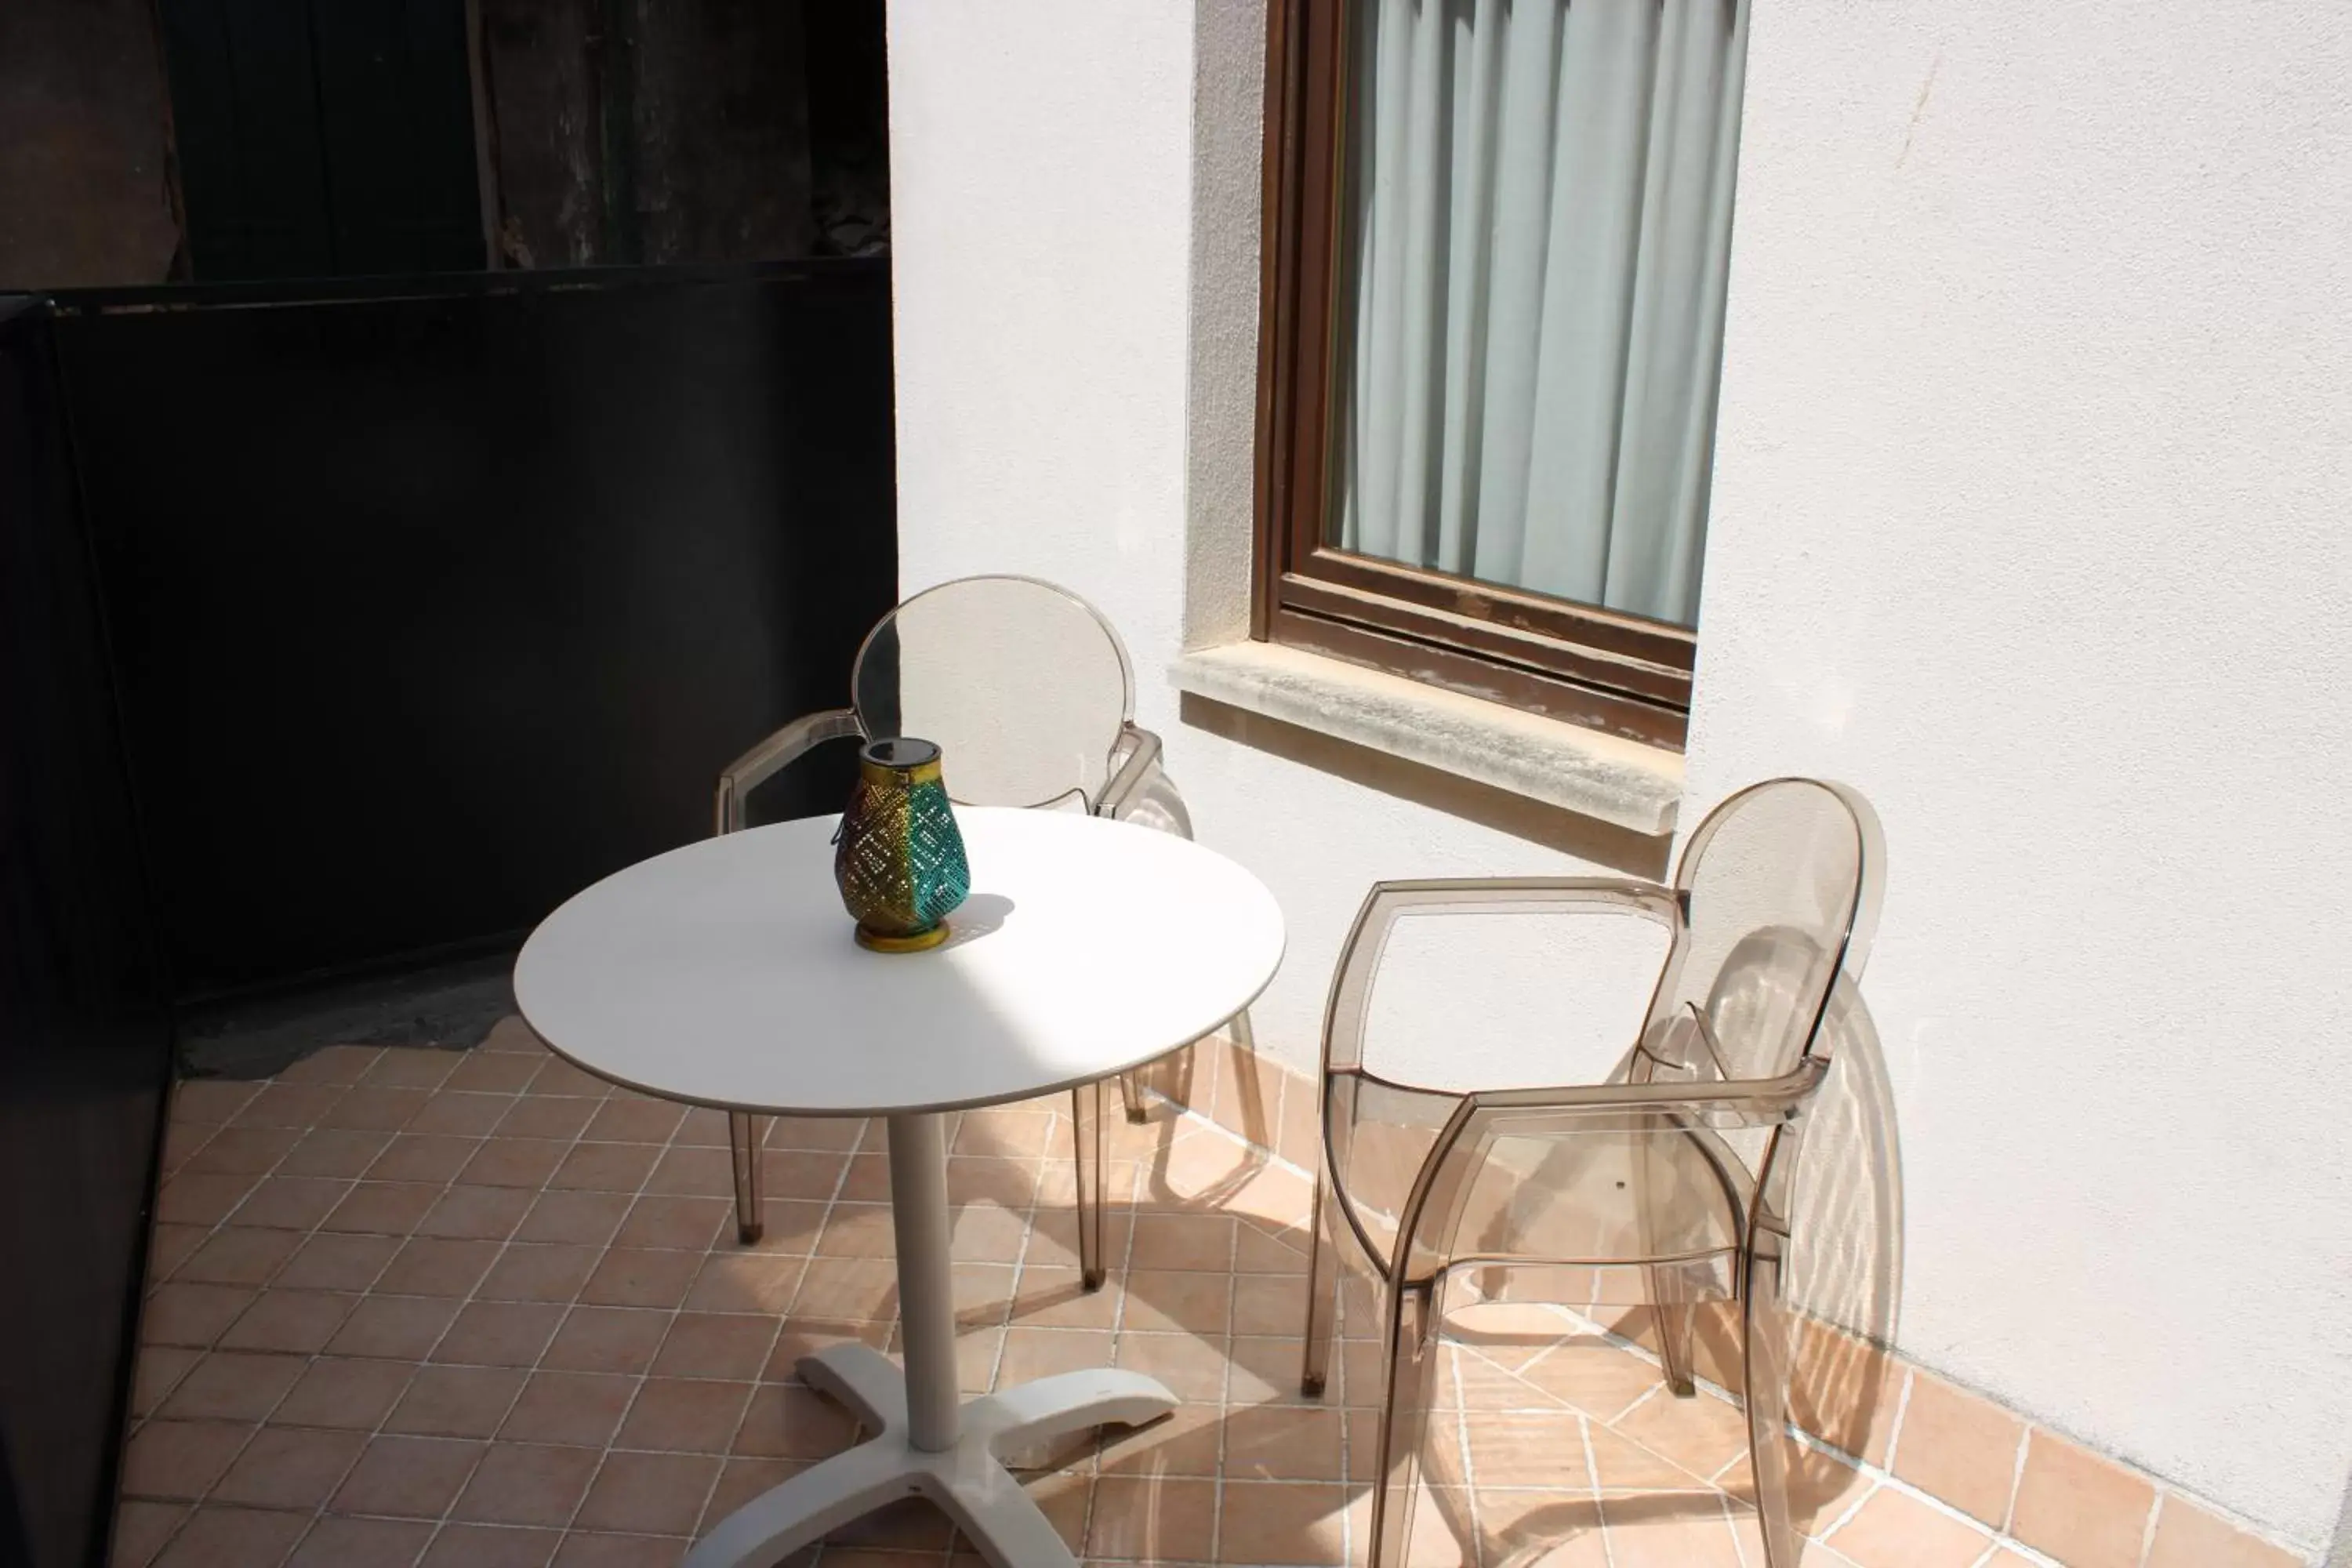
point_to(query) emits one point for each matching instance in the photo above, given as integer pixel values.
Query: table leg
(918, 1216)
(927, 1442)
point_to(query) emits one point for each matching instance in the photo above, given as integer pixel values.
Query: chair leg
(1677, 1323)
(1765, 1353)
(1322, 1294)
(745, 1133)
(1409, 1363)
(1087, 1137)
(1130, 1095)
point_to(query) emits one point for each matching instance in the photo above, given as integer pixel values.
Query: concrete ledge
(1605, 777)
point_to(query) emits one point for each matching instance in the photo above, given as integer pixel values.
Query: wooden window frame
(1598, 668)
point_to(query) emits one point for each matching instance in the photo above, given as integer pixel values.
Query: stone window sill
(1605, 777)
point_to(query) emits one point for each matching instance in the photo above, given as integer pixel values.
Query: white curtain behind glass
(1540, 221)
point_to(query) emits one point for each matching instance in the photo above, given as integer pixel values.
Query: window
(1497, 239)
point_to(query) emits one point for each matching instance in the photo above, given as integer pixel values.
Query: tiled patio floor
(475, 1308)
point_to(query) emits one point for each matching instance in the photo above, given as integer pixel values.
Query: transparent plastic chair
(1029, 693)
(1668, 1185)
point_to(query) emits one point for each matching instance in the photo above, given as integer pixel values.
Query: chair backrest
(1781, 886)
(1024, 686)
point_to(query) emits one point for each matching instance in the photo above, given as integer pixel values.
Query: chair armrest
(1714, 1103)
(772, 756)
(1360, 956)
(1138, 754)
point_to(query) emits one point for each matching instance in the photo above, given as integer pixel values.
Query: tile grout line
(212, 1346)
(538, 1359)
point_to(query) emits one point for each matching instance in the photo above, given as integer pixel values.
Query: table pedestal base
(967, 1479)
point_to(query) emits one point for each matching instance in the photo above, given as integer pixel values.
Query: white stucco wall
(2031, 520)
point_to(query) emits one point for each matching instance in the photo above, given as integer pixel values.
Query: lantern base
(880, 941)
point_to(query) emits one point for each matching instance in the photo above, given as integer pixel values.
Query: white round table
(724, 974)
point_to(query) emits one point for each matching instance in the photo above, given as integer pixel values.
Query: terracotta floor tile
(157, 1371)
(716, 1344)
(633, 1119)
(1960, 1446)
(740, 1482)
(490, 1546)
(465, 1115)
(1281, 1522)
(291, 1203)
(559, 1077)
(187, 1315)
(1187, 1442)
(1668, 1531)
(232, 1538)
(1029, 1353)
(584, 1549)
(296, 1321)
(2084, 1510)
(2189, 1537)
(210, 1100)
(1556, 1529)
(1153, 1521)
(839, 1133)
(362, 1543)
(370, 1108)
(641, 1277)
(284, 1467)
(582, 1218)
(866, 1179)
(233, 1149)
(648, 1493)
(408, 1477)
(803, 1173)
(169, 1246)
(1193, 1369)
(857, 1230)
(606, 1339)
(384, 1208)
(547, 1116)
(1269, 1304)
(514, 1163)
(1702, 1434)
(289, 1105)
(495, 1072)
(786, 1422)
(332, 1152)
(1896, 1531)
(141, 1529)
(1177, 1301)
(1277, 1443)
(1528, 1448)
(422, 1157)
(201, 1199)
(456, 1401)
(686, 1415)
(489, 1213)
(605, 1167)
(438, 1266)
(854, 1289)
(527, 1484)
(330, 1260)
(745, 1283)
(500, 1333)
(693, 1224)
(398, 1328)
(551, 1272)
(233, 1385)
(573, 1408)
(352, 1394)
(693, 1173)
(1266, 1369)
(1190, 1241)
(180, 1460)
(412, 1067)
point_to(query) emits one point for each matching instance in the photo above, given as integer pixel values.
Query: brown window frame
(1598, 668)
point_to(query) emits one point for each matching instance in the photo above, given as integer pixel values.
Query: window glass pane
(1535, 234)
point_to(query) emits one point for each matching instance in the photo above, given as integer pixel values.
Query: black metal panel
(429, 610)
(84, 1045)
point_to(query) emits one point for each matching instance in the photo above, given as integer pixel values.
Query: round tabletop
(724, 973)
